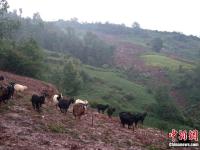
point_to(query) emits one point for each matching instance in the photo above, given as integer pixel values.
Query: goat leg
(5, 101)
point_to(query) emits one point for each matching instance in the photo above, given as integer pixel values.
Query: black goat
(102, 107)
(1, 78)
(11, 88)
(64, 104)
(110, 111)
(128, 118)
(6, 93)
(37, 101)
(141, 116)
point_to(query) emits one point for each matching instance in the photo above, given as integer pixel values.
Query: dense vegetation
(85, 46)
(24, 57)
(188, 83)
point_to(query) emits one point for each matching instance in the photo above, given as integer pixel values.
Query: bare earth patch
(23, 128)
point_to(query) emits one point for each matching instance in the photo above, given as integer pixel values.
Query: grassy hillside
(133, 48)
(110, 86)
(107, 86)
(165, 62)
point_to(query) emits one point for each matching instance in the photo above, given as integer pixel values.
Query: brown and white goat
(79, 110)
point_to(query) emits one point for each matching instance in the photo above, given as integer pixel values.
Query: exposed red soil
(34, 86)
(23, 128)
(126, 56)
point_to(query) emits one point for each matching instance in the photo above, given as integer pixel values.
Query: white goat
(85, 102)
(56, 99)
(80, 101)
(20, 88)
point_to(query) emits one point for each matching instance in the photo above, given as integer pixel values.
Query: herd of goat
(63, 103)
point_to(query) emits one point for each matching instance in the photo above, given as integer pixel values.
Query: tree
(3, 10)
(190, 79)
(157, 44)
(136, 25)
(7, 25)
(74, 20)
(162, 95)
(165, 107)
(20, 12)
(96, 52)
(31, 50)
(37, 20)
(24, 59)
(71, 77)
(3, 7)
(36, 17)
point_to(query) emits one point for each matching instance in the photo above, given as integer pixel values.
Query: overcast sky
(164, 15)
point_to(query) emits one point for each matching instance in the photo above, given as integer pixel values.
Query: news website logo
(182, 138)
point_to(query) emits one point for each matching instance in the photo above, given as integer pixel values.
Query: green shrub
(24, 59)
(93, 104)
(129, 96)
(116, 87)
(56, 128)
(106, 97)
(149, 91)
(86, 77)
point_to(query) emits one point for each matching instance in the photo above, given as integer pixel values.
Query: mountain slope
(34, 86)
(23, 128)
